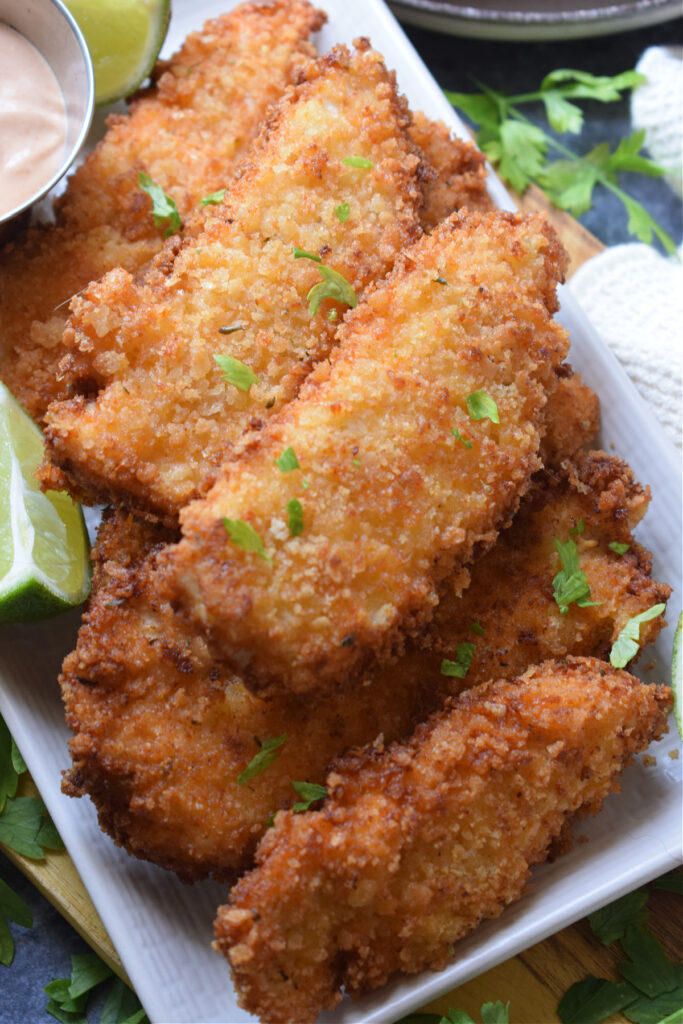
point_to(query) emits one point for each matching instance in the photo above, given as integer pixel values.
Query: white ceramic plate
(526, 20)
(161, 928)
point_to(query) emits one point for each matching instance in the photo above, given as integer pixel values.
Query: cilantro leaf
(477, 628)
(456, 433)
(267, 754)
(463, 659)
(18, 762)
(577, 530)
(481, 406)
(245, 536)
(627, 643)
(333, 286)
(214, 198)
(295, 515)
(287, 461)
(610, 922)
(342, 212)
(654, 1011)
(302, 254)
(520, 149)
(495, 1013)
(21, 827)
(570, 585)
(649, 969)
(12, 908)
(619, 549)
(87, 971)
(121, 1006)
(9, 776)
(593, 999)
(357, 161)
(164, 209)
(236, 372)
(310, 793)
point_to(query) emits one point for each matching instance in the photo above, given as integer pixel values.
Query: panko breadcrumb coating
(165, 784)
(391, 500)
(188, 131)
(416, 844)
(156, 414)
(460, 172)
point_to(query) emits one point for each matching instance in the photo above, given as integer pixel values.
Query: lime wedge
(44, 563)
(677, 675)
(124, 38)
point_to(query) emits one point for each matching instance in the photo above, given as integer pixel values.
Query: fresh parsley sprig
(68, 997)
(519, 148)
(12, 908)
(25, 825)
(491, 1013)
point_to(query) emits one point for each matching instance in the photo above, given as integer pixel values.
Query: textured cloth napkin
(632, 295)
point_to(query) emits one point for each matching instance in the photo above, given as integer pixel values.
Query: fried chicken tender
(395, 502)
(188, 132)
(572, 418)
(157, 414)
(165, 786)
(460, 172)
(416, 844)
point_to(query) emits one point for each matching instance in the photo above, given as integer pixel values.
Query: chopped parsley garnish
(295, 515)
(333, 316)
(577, 530)
(231, 328)
(357, 161)
(618, 548)
(477, 628)
(310, 793)
(481, 406)
(463, 659)
(301, 254)
(245, 536)
(333, 286)
(627, 643)
(214, 199)
(342, 212)
(440, 280)
(287, 461)
(164, 209)
(268, 751)
(456, 433)
(356, 461)
(236, 372)
(570, 586)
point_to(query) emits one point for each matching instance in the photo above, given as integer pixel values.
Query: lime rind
(677, 675)
(44, 563)
(124, 38)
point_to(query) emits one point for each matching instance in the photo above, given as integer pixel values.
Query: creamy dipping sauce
(32, 120)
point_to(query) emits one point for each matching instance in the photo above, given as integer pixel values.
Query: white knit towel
(632, 295)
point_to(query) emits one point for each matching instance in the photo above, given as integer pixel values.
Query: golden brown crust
(415, 845)
(157, 417)
(165, 786)
(188, 133)
(459, 180)
(394, 501)
(572, 418)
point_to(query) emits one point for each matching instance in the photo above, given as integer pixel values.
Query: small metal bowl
(53, 31)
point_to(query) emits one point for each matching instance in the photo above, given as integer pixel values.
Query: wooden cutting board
(533, 981)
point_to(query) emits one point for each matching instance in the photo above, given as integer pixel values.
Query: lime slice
(677, 675)
(44, 563)
(124, 38)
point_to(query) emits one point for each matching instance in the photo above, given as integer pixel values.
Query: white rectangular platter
(161, 928)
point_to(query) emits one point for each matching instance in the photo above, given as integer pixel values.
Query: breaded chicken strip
(188, 132)
(460, 172)
(572, 420)
(157, 413)
(331, 564)
(417, 844)
(165, 784)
